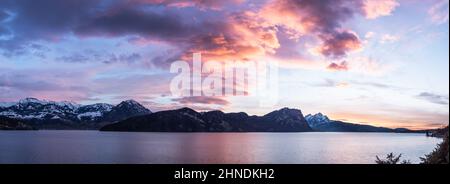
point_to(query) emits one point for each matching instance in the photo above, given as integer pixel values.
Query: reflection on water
(125, 147)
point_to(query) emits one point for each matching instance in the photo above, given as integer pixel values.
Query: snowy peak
(125, 110)
(319, 116)
(317, 119)
(102, 107)
(32, 100)
(36, 102)
(132, 106)
(67, 104)
(43, 110)
(129, 102)
(93, 112)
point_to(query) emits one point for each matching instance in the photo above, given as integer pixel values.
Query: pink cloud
(322, 19)
(439, 12)
(202, 100)
(343, 66)
(204, 4)
(377, 8)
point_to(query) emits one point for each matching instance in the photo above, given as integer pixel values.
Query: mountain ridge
(321, 123)
(13, 124)
(189, 120)
(45, 114)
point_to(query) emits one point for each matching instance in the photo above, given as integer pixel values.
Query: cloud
(41, 20)
(336, 83)
(106, 58)
(269, 30)
(201, 100)
(3, 32)
(387, 38)
(433, 98)
(81, 83)
(3, 15)
(241, 37)
(377, 8)
(354, 83)
(439, 12)
(368, 66)
(204, 4)
(249, 33)
(338, 44)
(74, 58)
(237, 36)
(49, 84)
(323, 19)
(369, 35)
(127, 58)
(131, 20)
(343, 66)
(332, 83)
(306, 16)
(376, 85)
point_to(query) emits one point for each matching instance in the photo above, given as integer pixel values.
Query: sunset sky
(379, 62)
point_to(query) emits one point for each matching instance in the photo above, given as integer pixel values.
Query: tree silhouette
(391, 158)
(440, 154)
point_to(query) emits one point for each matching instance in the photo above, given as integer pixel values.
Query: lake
(60, 146)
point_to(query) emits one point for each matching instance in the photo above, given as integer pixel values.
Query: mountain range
(321, 123)
(283, 120)
(131, 116)
(188, 120)
(44, 114)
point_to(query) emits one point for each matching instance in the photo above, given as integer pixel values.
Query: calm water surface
(125, 147)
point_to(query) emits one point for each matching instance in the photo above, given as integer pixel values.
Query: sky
(377, 62)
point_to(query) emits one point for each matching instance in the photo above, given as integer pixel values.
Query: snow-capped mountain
(32, 108)
(321, 122)
(124, 109)
(317, 120)
(93, 112)
(43, 113)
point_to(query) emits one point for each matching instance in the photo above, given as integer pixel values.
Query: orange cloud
(243, 38)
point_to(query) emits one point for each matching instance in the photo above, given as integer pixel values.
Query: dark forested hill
(188, 120)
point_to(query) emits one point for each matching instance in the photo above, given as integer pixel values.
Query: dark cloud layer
(201, 100)
(134, 21)
(42, 20)
(190, 26)
(433, 98)
(324, 16)
(203, 4)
